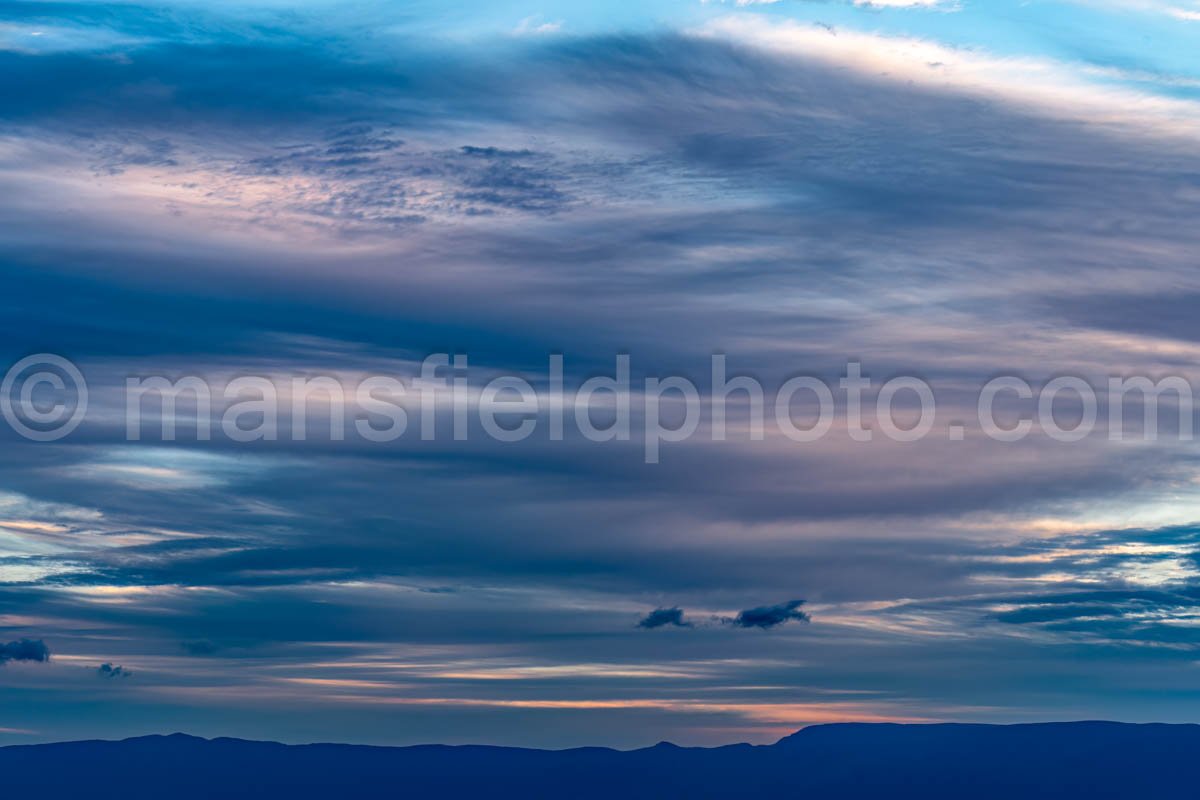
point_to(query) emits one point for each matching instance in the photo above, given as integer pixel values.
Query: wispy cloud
(308, 196)
(537, 25)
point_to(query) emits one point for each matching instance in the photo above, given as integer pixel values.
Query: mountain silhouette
(1055, 760)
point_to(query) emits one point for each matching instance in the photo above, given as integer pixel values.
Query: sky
(953, 191)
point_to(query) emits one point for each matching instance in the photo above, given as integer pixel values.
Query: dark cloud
(24, 650)
(769, 616)
(661, 617)
(107, 670)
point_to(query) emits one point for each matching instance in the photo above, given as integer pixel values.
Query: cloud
(107, 670)
(661, 617)
(24, 650)
(587, 194)
(537, 25)
(769, 616)
(1170, 9)
(1052, 87)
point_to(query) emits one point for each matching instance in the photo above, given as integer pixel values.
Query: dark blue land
(1058, 760)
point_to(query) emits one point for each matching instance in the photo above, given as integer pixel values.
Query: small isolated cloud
(769, 616)
(24, 650)
(536, 26)
(661, 617)
(109, 671)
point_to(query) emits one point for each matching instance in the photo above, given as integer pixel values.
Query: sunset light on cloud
(305, 198)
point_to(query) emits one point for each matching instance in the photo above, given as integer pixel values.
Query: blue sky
(948, 190)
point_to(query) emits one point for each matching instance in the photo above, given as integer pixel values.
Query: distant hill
(964, 762)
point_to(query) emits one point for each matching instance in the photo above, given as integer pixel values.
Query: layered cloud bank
(223, 192)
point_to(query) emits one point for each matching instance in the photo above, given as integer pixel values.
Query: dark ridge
(1054, 760)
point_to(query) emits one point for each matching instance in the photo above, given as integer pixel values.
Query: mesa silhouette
(1054, 760)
